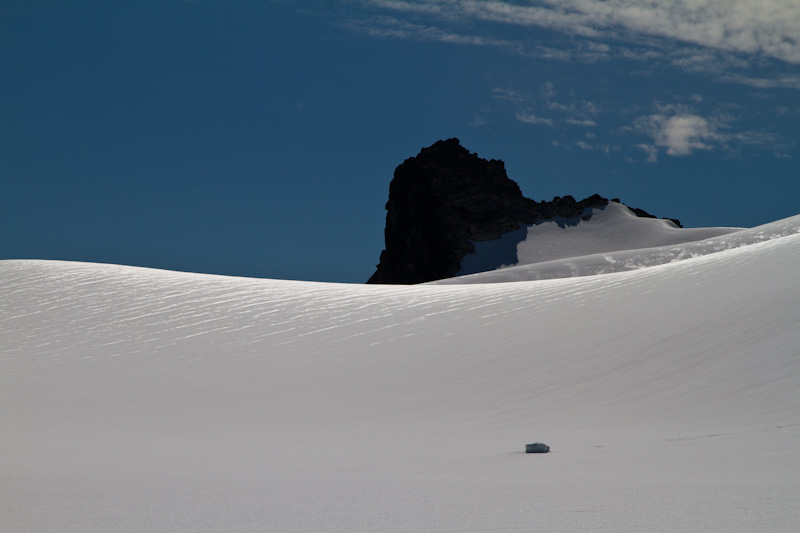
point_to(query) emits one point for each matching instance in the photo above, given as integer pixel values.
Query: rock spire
(445, 198)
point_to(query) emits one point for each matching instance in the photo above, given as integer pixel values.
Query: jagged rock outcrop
(446, 197)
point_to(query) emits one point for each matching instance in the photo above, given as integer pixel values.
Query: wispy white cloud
(757, 139)
(680, 134)
(555, 54)
(765, 27)
(601, 147)
(384, 26)
(783, 110)
(559, 106)
(438, 8)
(573, 113)
(789, 81)
(510, 95)
(679, 130)
(530, 118)
(548, 91)
(717, 37)
(651, 152)
(578, 122)
(478, 120)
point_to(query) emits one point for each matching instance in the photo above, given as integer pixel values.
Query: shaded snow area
(591, 263)
(145, 400)
(609, 229)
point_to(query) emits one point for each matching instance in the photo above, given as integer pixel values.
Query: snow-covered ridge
(623, 233)
(134, 399)
(608, 229)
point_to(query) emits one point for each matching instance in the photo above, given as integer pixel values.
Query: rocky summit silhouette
(446, 198)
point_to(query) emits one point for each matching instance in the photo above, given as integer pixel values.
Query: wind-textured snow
(144, 400)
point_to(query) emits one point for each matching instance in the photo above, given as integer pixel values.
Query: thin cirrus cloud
(501, 93)
(385, 26)
(719, 37)
(766, 27)
(530, 118)
(579, 122)
(578, 113)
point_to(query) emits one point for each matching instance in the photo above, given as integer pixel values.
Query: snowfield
(144, 400)
(609, 229)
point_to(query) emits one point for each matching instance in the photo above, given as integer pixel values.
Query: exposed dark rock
(446, 197)
(537, 447)
(674, 221)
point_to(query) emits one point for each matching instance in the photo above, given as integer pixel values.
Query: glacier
(136, 399)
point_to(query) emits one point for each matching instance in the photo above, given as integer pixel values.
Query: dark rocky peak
(446, 197)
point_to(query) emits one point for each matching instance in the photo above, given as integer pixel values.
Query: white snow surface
(611, 228)
(624, 237)
(134, 399)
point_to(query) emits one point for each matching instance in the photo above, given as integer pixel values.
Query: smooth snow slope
(610, 229)
(144, 400)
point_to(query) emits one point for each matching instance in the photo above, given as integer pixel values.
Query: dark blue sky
(259, 138)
